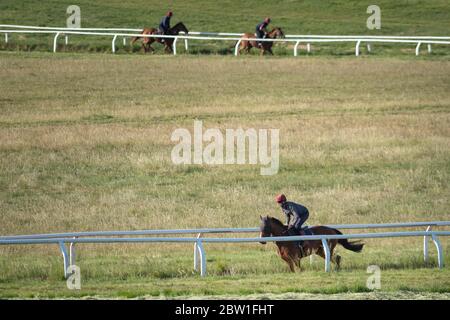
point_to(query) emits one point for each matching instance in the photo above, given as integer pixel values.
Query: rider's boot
(293, 232)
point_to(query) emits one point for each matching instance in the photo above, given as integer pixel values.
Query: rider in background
(296, 214)
(164, 25)
(261, 31)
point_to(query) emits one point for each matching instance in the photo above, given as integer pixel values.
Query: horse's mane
(276, 221)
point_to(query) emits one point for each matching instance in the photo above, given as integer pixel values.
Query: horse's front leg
(168, 48)
(289, 261)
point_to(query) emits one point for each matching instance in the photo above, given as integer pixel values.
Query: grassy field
(85, 145)
(344, 17)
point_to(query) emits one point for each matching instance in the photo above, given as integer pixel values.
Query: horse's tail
(355, 246)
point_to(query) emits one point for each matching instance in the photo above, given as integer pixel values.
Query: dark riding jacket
(164, 26)
(260, 29)
(296, 214)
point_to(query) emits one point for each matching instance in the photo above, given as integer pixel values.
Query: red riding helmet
(267, 20)
(169, 14)
(280, 198)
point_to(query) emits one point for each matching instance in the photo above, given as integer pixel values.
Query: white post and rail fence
(296, 40)
(63, 239)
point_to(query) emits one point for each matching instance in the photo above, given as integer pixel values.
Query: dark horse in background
(290, 252)
(168, 42)
(249, 41)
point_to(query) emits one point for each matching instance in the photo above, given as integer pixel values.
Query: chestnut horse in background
(266, 46)
(290, 252)
(168, 42)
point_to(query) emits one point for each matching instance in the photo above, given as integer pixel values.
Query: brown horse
(168, 42)
(266, 46)
(290, 252)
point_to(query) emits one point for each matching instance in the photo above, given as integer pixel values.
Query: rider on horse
(261, 31)
(164, 25)
(296, 215)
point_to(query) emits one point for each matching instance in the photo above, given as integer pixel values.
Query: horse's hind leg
(299, 265)
(335, 258)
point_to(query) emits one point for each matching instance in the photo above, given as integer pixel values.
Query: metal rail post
(72, 253)
(175, 46)
(196, 253)
(425, 245)
(438, 245)
(55, 39)
(113, 44)
(201, 251)
(358, 43)
(62, 247)
(418, 48)
(295, 48)
(326, 249)
(236, 47)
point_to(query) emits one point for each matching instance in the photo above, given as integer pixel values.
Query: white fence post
(418, 48)
(113, 44)
(202, 258)
(72, 253)
(196, 253)
(124, 41)
(358, 43)
(186, 46)
(425, 245)
(6, 38)
(429, 48)
(66, 38)
(175, 46)
(236, 47)
(437, 243)
(62, 247)
(308, 47)
(369, 48)
(326, 249)
(55, 39)
(295, 48)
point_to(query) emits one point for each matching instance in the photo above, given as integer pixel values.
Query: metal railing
(199, 252)
(297, 39)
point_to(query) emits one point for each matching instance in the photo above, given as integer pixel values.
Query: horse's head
(278, 33)
(179, 27)
(265, 229)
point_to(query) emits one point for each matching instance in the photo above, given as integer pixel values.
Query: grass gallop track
(85, 145)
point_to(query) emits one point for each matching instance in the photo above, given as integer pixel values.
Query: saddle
(307, 231)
